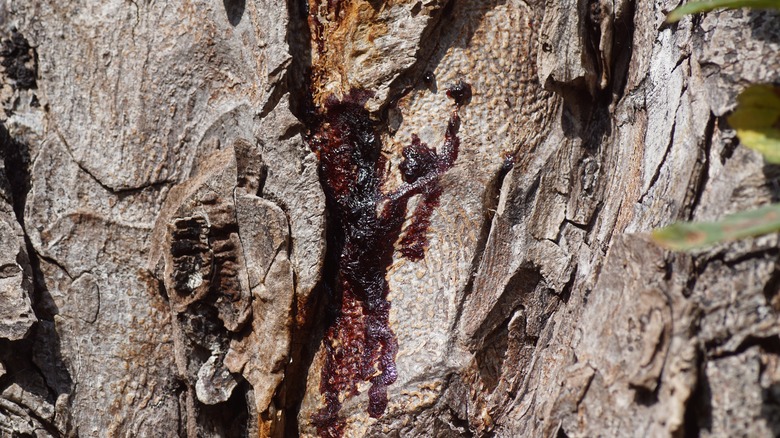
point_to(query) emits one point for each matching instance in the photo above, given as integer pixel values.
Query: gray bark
(163, 251)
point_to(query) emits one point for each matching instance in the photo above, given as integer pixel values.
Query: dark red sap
(364, 225)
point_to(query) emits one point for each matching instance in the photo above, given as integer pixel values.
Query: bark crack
(659, 167)
(490, 205)
(703, 176)
(114, 190)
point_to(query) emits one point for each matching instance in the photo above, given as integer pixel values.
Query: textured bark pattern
(166, 247)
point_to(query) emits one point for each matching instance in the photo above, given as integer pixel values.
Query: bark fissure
(697, 190)
(659, 167)
(488, 224)
(127, 191)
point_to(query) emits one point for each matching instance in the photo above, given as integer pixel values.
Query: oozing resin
(364, 224)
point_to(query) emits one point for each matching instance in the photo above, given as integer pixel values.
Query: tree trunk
(380, 218)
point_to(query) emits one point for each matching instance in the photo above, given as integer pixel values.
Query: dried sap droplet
(460, 93)
(419, 160)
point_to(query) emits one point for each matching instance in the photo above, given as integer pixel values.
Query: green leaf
(757, 120)
(686, 236)
(708, 5)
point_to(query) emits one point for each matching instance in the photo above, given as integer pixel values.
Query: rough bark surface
(170, 263)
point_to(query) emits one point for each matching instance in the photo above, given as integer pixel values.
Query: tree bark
(380, 218)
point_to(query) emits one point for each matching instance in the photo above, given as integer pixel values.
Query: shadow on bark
(763, 25)
(234, 9)
(34, 363)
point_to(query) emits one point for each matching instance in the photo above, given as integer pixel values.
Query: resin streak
(365, 223)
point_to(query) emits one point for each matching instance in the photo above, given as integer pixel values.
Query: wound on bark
(359, 343)
(205, 260)
(191, 256)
